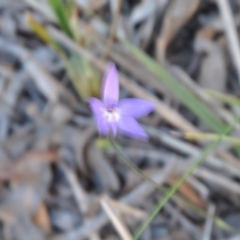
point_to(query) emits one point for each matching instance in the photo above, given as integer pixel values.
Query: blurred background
(59, 180)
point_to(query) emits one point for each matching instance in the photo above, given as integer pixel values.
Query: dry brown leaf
(188, 192)
(20, 169)
(177, 15)
(41, 218)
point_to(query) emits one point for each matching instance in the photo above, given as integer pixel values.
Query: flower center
(111, 114)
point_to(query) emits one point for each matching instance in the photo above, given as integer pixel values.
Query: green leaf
(184, 95)
(63, 13)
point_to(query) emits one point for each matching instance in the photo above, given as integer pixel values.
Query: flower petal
(103, 126)
(96, 106)
(135, 107)
(131, 128)
(110, 89)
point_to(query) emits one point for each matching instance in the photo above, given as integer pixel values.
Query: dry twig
(116, 221)
(231, 33)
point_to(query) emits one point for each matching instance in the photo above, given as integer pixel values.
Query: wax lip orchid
(112, 115)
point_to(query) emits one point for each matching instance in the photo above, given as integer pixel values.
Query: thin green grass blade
(183, 94)
(63, 13)
(189, 171)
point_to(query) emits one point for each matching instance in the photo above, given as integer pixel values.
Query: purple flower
(112, 115)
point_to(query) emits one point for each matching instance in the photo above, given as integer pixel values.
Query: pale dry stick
(162, 109)
(78, 192)
(47, 84)
(230, 159)
(231, 32)
(116, 221)
(113, 30)
(218, 180)
(134, 198)
(202, 189)
(128, 210)
(42, 8)
(209, 224)
(192, 151)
